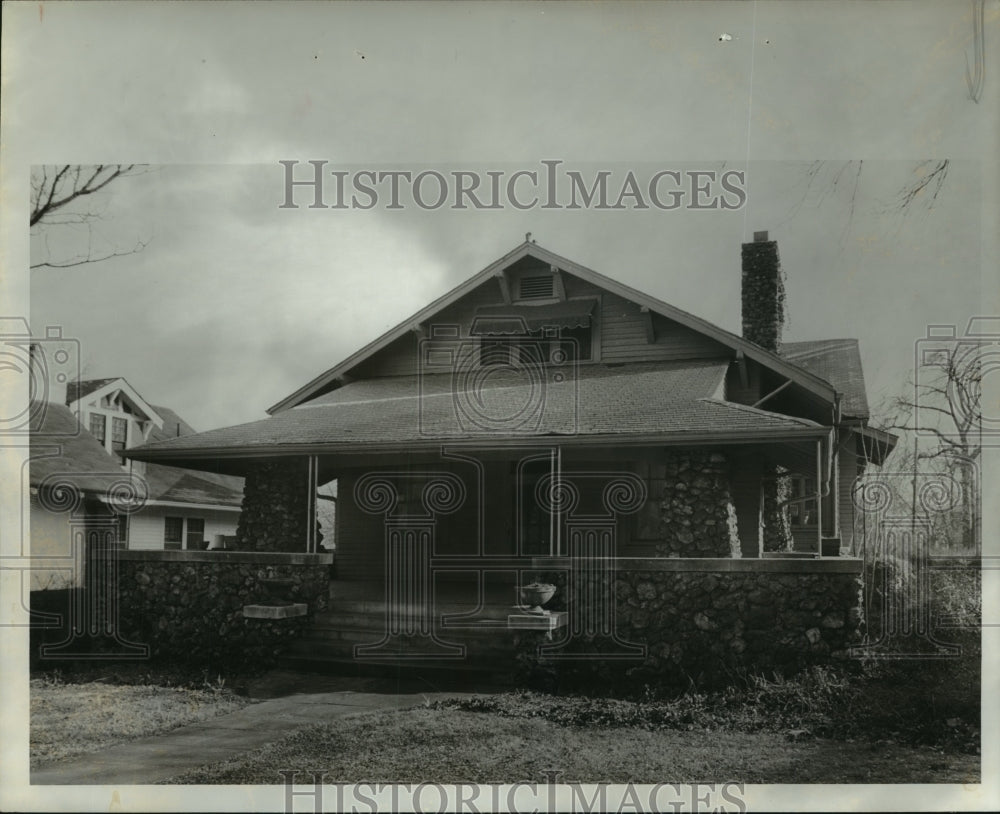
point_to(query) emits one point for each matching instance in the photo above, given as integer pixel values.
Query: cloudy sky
(234, 303)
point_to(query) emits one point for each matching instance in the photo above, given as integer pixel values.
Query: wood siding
(739, 392)
(53, 560)
(621, 329)
(146, 527)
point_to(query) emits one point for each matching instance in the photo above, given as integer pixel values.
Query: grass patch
(908, 703)
(71, 719)
(144, 673)
(456, 746)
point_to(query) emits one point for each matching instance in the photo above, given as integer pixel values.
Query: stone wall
(711, 622)
(275, 507)
(695, 516)
(188, 606)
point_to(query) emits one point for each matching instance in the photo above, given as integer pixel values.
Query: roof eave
(808, 381)
(392, 334)
(680, 438)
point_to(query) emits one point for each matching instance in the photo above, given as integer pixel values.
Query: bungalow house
(543, 421)
(81, 484)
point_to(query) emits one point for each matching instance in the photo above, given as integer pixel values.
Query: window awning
(520, 319)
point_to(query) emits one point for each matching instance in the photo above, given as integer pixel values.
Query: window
(173, 532)
(512, 350)
(566, 345)
(98, 426)
(577, 344)
(119, 433)
(496, 351)
(802, 512)
(195, 534)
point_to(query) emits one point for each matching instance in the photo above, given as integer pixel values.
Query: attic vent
(536, 288)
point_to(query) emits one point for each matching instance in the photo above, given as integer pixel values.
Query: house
(81, 484)
(545, 420)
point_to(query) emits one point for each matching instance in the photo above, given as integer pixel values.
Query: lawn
(452, 745)
(71, 719)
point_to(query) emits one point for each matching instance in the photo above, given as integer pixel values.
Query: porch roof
(672, 401)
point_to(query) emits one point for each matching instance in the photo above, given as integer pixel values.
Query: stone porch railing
(188, 605)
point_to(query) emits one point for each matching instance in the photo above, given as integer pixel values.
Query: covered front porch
(433, 545)
(690, 498)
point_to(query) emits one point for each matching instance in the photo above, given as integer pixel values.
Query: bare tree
(56, 195)
(943, 410)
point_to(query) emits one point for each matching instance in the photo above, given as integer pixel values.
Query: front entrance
(538, 527)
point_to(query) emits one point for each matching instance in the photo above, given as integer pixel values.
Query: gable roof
(669, 402)
(84, 387)
(170, 483)
(90, 386)
(77, 457)
(173, 425)
(805, 379)
(838, 361)
(62, 451)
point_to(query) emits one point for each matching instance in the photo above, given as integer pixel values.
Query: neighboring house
(539, 371)
(81, 484)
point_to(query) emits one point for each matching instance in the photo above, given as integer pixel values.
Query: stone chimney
(763, 293)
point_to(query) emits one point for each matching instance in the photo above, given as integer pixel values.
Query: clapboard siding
(621, 330)
(739, 392)
(146, 527)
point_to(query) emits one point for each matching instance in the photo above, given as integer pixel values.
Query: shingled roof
(79, 389)
(838, 361)
(654, 399)
(334, 377)
(64, 451)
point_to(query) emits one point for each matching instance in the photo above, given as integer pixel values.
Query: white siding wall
(146, 527)
(52, 557)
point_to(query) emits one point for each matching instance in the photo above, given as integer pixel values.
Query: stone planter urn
(536, 594)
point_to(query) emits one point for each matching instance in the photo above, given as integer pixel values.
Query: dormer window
(548, 347)
(553, 333)
(98, 426)
(119, 434)
(577, 344)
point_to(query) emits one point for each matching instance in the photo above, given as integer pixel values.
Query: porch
(658, 618)
(659, 555)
